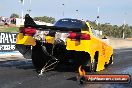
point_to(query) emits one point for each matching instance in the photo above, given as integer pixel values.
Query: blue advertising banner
(7, 41)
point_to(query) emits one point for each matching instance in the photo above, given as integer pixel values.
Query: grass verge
(9, 29)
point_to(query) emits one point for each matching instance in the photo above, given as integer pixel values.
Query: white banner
(7, 41)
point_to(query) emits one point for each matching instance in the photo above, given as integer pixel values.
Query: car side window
(85, 27)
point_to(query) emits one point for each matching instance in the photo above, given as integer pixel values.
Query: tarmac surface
(19, 73)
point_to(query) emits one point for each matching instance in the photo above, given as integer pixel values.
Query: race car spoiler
(30, 23)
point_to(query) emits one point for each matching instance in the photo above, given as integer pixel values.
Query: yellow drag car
(68, 41)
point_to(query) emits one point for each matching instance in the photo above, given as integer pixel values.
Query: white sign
(7, 41)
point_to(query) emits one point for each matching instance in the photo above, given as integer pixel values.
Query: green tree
(45, 19)
(14, 15)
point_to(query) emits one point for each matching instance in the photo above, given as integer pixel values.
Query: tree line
(43, 18)
(113, 30)
(107, 29)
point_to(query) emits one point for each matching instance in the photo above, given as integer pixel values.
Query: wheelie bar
(51, 63)
(48, 67)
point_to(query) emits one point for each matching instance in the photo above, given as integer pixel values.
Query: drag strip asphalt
(19, 73)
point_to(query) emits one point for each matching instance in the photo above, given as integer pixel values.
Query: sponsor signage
(7, 41)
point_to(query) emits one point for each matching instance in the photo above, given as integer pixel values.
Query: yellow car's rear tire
(110, 61)
(93, 64)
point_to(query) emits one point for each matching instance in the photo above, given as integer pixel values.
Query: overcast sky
(111, 11)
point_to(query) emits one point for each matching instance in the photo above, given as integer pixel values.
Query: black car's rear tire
(39, 58)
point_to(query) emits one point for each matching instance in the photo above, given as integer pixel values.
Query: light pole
(22, 2)
(123, 35)
(22, 12)
(97, 21)
(63, 14)
(124, 23)
(29, 10)
(76, 13)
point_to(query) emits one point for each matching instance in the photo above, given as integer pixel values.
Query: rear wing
(30, 23)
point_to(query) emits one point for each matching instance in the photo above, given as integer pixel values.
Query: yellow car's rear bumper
(25, 40)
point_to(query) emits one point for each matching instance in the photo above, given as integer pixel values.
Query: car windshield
(69, 23)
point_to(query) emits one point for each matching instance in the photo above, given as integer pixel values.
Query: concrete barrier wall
(120, 43)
